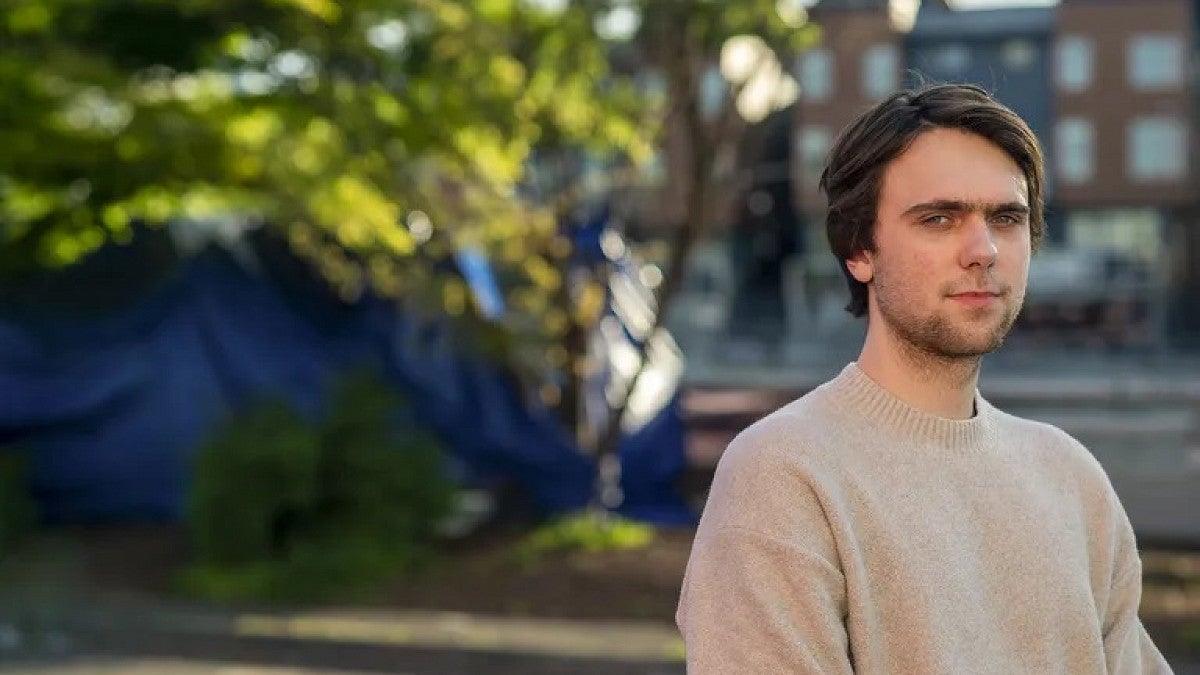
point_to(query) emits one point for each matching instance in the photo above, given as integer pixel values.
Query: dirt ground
(479, 574)
(638, 584)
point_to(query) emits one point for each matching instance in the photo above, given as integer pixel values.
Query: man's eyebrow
(962, 206)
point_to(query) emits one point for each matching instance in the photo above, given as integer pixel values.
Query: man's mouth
(977, 298)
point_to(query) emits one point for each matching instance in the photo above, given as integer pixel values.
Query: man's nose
(978, 246)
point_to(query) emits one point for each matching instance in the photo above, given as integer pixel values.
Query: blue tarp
(111, 409)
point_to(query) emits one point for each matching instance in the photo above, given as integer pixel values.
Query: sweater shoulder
(794, 435)
(771, 476)
(1053, 447)
(1075, 470)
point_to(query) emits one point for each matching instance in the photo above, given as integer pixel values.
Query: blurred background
(404, 336)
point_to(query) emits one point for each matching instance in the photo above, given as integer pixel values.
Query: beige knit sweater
(849, 532)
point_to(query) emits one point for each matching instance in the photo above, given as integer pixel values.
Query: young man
(892, 520)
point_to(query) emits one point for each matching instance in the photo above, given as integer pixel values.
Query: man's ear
(861, 267)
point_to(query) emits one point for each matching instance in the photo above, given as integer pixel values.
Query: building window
(951, 59)
(1074, 63)
(1157, 149)
(1076, 150)
(1019, 54)
(816, 74)
(815, 142)
(1136, 233)
(880, 71)
(1155, 61)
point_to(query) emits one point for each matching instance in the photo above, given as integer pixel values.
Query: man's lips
(976, 298)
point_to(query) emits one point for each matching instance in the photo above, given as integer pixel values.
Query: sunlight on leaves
(29, 17)
(326, 10)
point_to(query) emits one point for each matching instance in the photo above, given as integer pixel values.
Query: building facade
(1006, 52)
(859, 62)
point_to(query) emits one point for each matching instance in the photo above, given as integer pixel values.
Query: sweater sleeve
(755, 604)
(763, 591)
(1128, 649)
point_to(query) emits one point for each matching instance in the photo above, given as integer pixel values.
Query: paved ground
(114, 650)
(115, 636)
(357, 644)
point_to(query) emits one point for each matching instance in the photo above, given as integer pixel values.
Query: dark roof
(879, 5)
(936, 21)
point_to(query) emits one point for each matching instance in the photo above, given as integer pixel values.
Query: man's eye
(938, 219)
(1008, 219)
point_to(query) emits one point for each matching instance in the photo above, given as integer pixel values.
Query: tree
(721, 70)
(379, 137)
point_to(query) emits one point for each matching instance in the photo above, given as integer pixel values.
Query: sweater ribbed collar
(866, 400)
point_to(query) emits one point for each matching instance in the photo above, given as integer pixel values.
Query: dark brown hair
(854, 175)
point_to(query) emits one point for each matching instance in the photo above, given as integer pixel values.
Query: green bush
(589, 531)
(374, 485)
(283, 511)
(252, 482)
(18, 514)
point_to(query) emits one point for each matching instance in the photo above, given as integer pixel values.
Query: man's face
(952, 246)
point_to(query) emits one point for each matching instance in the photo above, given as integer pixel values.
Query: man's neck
(937, 385)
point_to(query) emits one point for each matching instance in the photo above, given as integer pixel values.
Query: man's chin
(952, 338)
(966, 344)
(967, 353)
(969, 348)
